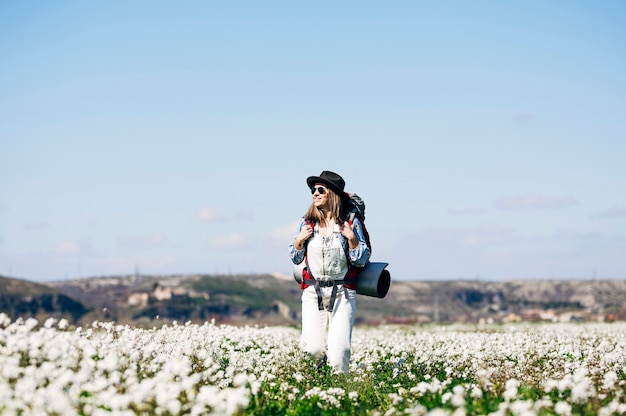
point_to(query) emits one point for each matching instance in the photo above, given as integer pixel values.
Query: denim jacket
(358, 256)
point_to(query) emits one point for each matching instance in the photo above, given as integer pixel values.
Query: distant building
(162, 293)
(168, 292)
(138, 299)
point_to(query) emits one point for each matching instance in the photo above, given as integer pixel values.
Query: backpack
(356, 208)
(374, 279)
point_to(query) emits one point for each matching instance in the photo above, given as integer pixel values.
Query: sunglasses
(320, 189)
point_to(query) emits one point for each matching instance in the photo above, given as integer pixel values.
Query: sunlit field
(51, 368)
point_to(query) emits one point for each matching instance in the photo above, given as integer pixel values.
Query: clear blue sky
(487, 138)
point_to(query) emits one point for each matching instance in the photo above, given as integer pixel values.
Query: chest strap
(319, 284)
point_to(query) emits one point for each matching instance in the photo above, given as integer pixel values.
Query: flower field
(51, 368)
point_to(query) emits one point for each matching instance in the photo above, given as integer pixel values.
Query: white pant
(339, 322)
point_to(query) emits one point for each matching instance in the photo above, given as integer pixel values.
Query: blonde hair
(316, 215)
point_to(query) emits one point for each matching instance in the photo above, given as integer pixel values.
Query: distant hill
(237, 299)
(271, 299)
(21, 298)
(499, 301)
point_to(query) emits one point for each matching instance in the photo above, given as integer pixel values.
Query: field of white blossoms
(51, 368)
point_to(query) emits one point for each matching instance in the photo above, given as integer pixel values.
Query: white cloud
(615, 212)
(536, 201)
(229, 241)
(68, 247)
(209, 214)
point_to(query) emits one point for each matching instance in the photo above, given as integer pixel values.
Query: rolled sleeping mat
(374, 280)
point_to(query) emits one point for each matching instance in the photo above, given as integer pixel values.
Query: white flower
(563, 408)
(438, 412)
(522, 408)
(458, 396)
(4, 320)
(49, 322)
(550, 385)
(255, 387)
(609, 380)
(391, 411)
(510, 392)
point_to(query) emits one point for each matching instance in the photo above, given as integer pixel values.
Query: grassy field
(557, 369)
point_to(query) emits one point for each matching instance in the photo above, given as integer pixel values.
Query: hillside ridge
(275, 299)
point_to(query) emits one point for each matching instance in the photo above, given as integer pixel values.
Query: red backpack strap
(306, 275)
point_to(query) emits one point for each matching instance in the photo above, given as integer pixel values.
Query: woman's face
(320, 195)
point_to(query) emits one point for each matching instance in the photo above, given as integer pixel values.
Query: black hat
(331, 180)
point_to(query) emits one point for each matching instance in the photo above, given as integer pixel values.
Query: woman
(331, 246)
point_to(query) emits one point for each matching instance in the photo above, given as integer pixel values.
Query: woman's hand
(305, 233)
(348, 233)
